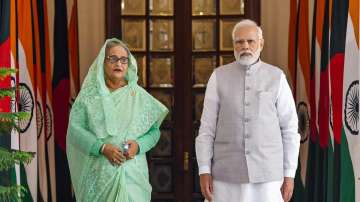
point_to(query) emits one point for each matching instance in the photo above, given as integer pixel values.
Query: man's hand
(113, 154)
(206, 185)
(287, 188)
(133, 149)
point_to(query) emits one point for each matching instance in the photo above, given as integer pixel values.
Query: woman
(111, 110)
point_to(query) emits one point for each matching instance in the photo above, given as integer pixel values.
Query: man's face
(247, 45)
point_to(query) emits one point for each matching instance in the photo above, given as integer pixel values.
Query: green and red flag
(337, 52)
(61, 99)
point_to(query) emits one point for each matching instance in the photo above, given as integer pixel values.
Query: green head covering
(96, 70)
(122, 106)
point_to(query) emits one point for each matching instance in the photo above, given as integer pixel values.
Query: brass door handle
(186, 161)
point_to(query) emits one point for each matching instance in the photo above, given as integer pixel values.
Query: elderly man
(248, 144)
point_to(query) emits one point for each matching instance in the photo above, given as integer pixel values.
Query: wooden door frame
(183, 128)
(113, 29)
(252, 12)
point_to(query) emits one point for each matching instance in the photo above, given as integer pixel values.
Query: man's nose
(245, 48)
(246, 44)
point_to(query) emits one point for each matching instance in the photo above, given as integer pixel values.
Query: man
(248, 144)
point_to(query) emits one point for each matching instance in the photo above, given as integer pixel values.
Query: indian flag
(40, 103)
(299, 68)
(48, 9)
(28, 140)
(303, 84)
(350, 138)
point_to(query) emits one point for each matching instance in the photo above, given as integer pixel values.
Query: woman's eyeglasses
(114, 59)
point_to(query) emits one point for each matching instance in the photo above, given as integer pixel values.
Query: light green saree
(99, 116)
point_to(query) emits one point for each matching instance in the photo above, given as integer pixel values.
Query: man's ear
(261, 43)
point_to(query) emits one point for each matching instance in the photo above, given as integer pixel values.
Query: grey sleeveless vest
(248, 144)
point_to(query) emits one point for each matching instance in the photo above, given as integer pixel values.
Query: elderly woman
(113, 123)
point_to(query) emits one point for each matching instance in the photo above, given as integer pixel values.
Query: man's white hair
(247, 23)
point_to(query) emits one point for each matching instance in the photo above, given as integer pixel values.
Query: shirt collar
(253, 67)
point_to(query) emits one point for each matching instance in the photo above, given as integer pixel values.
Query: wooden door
(177, 44)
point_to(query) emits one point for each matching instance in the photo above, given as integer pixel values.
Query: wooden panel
(181, 84)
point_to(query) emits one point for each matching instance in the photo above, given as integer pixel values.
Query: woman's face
(116, 63)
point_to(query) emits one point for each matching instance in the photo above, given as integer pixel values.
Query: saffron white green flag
(28, 138)
(350, 141)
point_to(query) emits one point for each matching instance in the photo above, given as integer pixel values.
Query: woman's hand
(113, 154)
(133, 149)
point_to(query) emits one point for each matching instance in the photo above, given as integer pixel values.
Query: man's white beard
(247, 60)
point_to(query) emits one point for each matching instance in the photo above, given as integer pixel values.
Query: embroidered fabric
(99, 116)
